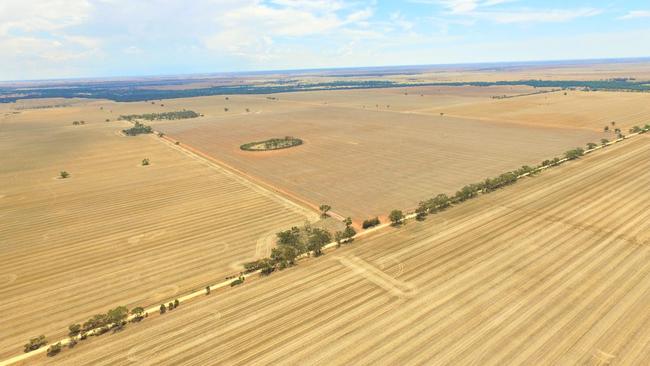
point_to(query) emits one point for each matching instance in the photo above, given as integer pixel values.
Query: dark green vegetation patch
(160, 116)
(272, 144)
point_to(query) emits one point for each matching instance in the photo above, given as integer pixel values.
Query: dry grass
(115, 232)
(554, 270)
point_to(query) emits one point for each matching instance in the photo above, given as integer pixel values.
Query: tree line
(184, 114)
(295, 242)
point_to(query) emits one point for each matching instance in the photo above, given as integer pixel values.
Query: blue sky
(85, 38)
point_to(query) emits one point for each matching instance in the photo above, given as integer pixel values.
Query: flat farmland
(366, 162)
(115, 232)
(553, 270)
(576, 109)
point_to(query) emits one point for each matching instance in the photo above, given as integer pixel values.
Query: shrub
(63, 174)
(238, 281)
(368, 223)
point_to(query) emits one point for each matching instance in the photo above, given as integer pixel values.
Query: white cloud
(536, 16)
(636, 14)
(41, 15)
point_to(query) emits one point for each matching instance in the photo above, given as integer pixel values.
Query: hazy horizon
(62, 39)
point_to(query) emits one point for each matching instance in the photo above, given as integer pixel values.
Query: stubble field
(115, 232)
(365, 160)
(553, 270)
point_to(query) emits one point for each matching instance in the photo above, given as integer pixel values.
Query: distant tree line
(127, 91)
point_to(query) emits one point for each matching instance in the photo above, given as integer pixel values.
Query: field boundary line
(284, 196)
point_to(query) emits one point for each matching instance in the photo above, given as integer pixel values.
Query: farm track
(554, 269)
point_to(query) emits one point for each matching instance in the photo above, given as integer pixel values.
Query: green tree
(604, 142)
(54, 349)
(323, 210)
(396, 217)
(35, 343)
(317, 239)
(117, 316)
(347, 221)
(163, 308)
(63, 174)
(138, 313)
(591, 145)
(145, 162)
(207, 290)
(74, 330)
(606, 128)
(176, 303)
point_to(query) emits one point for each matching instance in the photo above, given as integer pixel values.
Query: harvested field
(577, 109)
(115, 232)
(365, 162)
(553, 270)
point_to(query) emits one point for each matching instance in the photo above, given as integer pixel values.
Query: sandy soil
(554, 270)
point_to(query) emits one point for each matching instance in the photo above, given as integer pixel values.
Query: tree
(163, 309)
(207, 290)
(421, 212)
(349, 232)
(63, 174)
(284, 256)
(98, 320)
(574, 154)
(606, 128)
(138, 313)
(591, 145)
(347, 221)
(176, 303)
(396, 217)
(74, 330)
(338, 237)
(54, 349)
(323, 210)
(170, 306)
(368, 223)
(35, 343)
(317, 239)
(117, 316)
(604, 142)
(145, 162)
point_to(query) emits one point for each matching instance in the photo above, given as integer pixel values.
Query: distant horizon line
(307, 71)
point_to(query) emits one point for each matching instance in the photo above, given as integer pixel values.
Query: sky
(51, 39)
